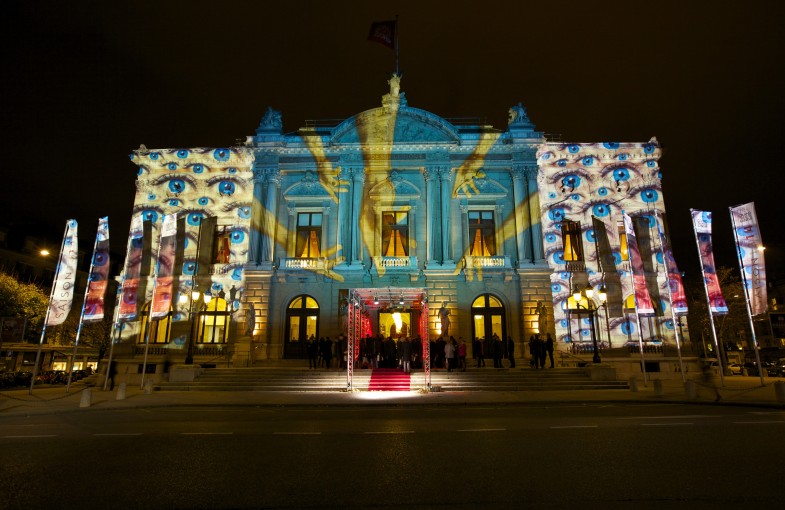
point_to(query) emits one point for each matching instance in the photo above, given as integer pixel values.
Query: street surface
(624, 455)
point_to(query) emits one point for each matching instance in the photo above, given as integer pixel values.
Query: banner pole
(670, 294)
(747, 299)
(81, 314)
(48, 309)
(708, 308)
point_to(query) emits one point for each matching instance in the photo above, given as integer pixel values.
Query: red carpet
(389, 379)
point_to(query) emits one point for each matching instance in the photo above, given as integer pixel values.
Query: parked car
(735, 368)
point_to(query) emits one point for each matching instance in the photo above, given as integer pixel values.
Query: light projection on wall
(211, 188)
(591, 184)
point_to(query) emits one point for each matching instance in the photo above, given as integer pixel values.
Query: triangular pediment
(480, 187)
(307, 188)
(402, 126)
(395, 187)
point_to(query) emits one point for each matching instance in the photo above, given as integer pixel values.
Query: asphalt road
(565, 456)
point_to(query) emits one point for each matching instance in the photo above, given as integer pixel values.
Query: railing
(303, 263)
(399, 262)
(495, 261)
(575, 265)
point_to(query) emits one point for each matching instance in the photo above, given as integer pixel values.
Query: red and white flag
(99, 274)
(164, 268)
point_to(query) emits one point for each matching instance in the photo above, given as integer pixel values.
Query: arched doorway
(302, 321)
(488, 317)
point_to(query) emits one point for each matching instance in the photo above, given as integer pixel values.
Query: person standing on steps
(548, 349)
(511, 351)
(461, 354)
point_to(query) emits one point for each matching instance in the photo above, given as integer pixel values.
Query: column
(431, 201)
(522, 226)
(446, 177)
(344, 203)
(355, 227)
(538, 255)
(271, 212)
(256, 241)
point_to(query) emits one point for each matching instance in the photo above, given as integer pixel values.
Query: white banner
(749, 250)
(65, 278)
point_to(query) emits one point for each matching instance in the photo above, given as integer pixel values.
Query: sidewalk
(740, 391)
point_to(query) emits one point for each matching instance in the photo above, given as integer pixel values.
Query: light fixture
(603, 294)
(194, 294)
(207, 297)
(589, 291)
(44, 252)
(375, 300)
(576, 294)
(183, 298)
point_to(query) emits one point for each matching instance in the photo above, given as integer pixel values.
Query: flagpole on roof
(396, 46)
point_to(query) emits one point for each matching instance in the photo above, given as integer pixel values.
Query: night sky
(84, 83)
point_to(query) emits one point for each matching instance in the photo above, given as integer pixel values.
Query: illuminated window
(395, 234)
(213, 322)
(221, 245)
(482, 235)
(159, 331)
(571, 237)
(309, 235)
(623, 242)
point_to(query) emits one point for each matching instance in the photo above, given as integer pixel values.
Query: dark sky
(86, 82)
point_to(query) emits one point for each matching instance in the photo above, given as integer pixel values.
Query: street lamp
(202, 299)
(577, 296)
(603, 295)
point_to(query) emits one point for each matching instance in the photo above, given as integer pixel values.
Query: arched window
(160, 329)
(488, 318)
(302, 321)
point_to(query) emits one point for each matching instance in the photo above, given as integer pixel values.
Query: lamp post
(603, 295)
(201, 299)
(577, 295)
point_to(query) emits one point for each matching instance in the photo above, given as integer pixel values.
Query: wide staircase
(298, 379)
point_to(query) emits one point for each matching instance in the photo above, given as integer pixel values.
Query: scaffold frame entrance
(364, 301)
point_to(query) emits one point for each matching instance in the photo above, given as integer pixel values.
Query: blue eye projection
(182, 154)
(244, 212)
(601, 210)
(194, 218)
(238, 236)
(621, 174)
(611, 145)
(171, 166)
(226, 187)
(649, 195)
(176, 186)
(221, 154)
(573, 149)
(154, 155)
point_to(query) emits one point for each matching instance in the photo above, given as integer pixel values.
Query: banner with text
(749, 250)
(65, 280)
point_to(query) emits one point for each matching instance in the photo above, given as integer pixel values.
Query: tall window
(395, 234)
(159, 329)
(625, 255)
(213, 322)
(309, 235)
(482, 231)
(571, 238)
(221, 245)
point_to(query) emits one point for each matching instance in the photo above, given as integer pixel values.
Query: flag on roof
(383, 32)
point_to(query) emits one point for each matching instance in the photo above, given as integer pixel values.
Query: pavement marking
(206, 433)
(665, 424)
(481, 430)
(753, 422)
(119, 434)
(390, 432)
(296, 433)
(574, 427)
(24, 437)
(681, 417)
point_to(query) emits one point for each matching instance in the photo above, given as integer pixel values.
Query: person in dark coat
(497, 350)
(479, 352)
(112, 373)
(534, 352)
(327, 352)
(405, 353)
(511, 351)
(541, 350)
(313, 351)
(548, 348)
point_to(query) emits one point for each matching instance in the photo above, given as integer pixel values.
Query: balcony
(495, 262)
(303, 264)
(393, 263)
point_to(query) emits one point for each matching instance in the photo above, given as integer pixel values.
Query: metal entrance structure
(363, 302)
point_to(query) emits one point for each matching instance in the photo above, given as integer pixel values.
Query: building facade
(392, 199)
(584, 190)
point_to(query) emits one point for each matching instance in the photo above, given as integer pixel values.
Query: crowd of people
(407, 352)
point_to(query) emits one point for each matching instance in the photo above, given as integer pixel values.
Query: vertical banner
(99, 274)
(65, 280)
(701, 222)
(133, 266)
(605, 236)
(643, 304)
(676, 286)
(748, 248)
(162, 297)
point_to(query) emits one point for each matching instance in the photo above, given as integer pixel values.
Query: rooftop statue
(518, 115)
(271, 121)
(395, 85)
